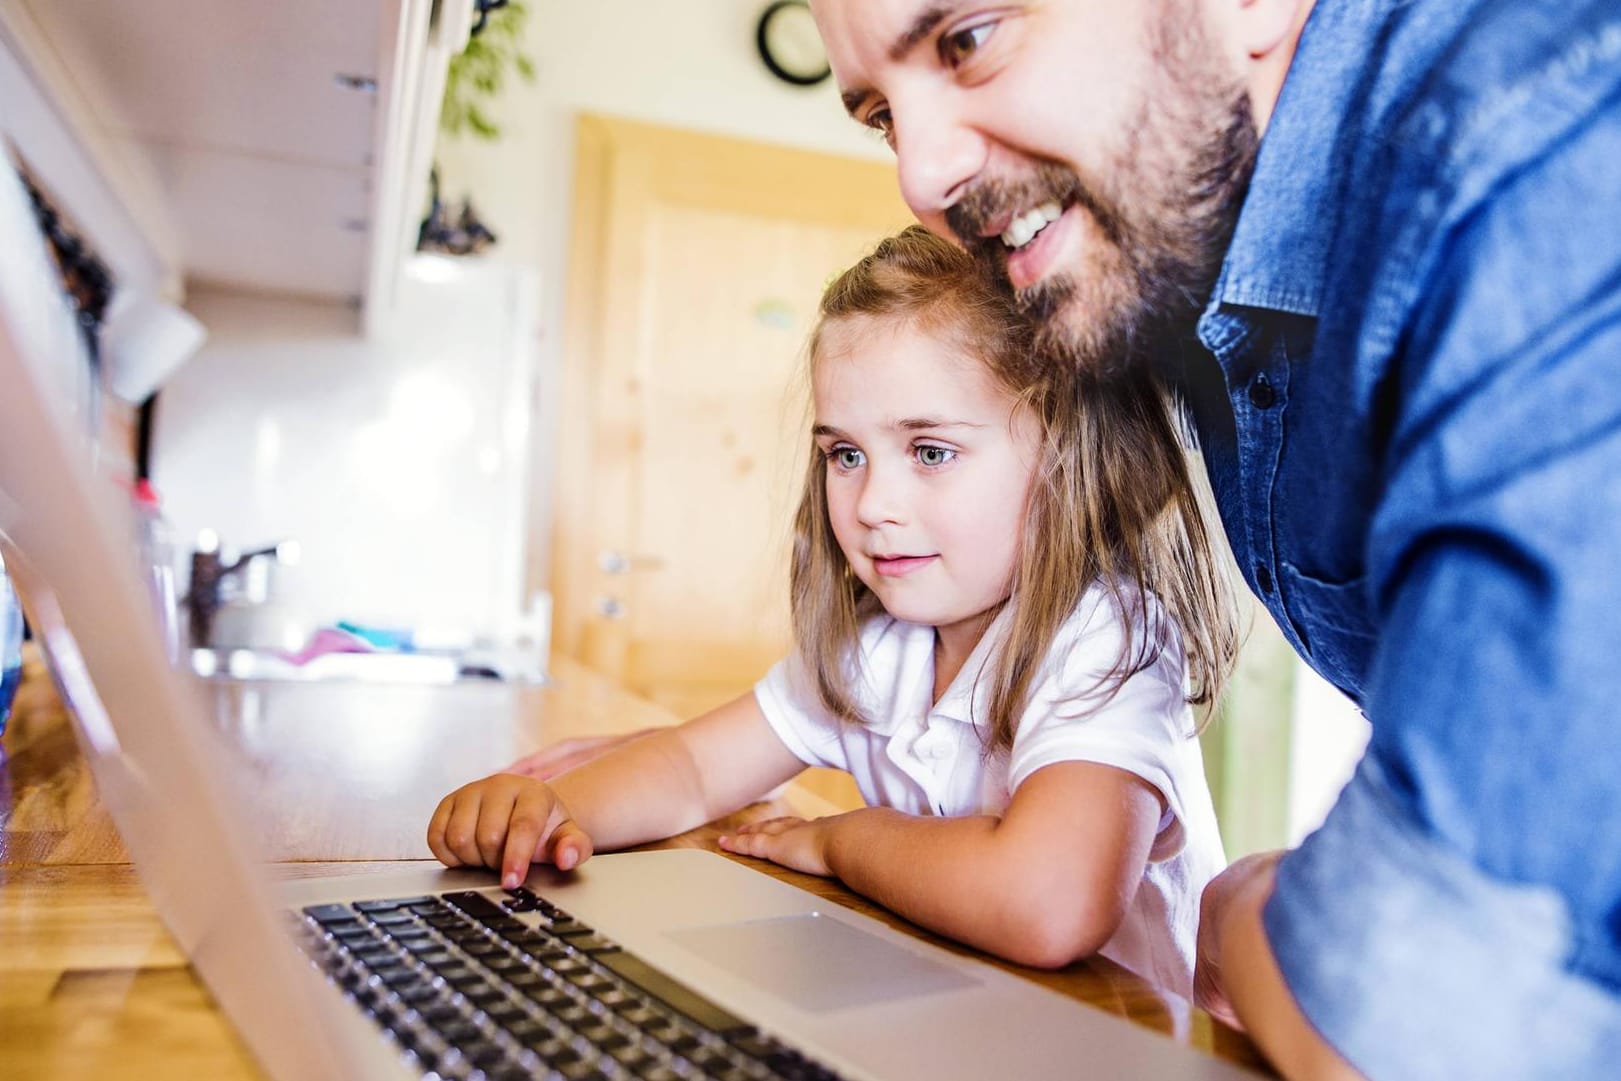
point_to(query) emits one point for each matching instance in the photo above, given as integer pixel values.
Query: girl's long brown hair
(1112, 501)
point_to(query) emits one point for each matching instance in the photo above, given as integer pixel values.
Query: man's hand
(506, 822)
(796, 843)
(564, 755)
(1209, 991)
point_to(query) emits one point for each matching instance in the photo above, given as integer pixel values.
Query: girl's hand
(795, 843)
(506, 822)
(564, 755)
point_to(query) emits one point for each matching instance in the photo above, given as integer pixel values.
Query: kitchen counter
(91, 986)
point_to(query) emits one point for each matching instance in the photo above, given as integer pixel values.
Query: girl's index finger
(526, 832)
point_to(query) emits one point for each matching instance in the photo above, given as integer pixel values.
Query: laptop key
(591, 942)
(392, 918)
(397, 975)
(485, 1055)
(325, 914)
(524, 1028)
(459, 1032)
(474, 904)
(503, 1011)
(677, 996)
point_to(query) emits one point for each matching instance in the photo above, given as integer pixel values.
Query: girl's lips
(896, 566)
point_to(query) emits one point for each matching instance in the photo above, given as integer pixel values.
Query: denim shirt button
(1262, 396)
(1263, 577)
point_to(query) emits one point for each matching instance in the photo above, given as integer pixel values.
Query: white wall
(1328, 737)
(683, 64)
(287, 424)
(400, 466)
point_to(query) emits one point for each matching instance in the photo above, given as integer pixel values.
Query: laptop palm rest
(819, 964)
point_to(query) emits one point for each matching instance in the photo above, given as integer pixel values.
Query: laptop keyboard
(470, 991)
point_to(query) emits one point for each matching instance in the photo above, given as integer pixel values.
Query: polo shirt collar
(968, 697)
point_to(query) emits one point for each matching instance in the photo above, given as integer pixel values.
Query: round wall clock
(789, 44)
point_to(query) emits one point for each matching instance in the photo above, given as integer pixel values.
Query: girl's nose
(880, 501)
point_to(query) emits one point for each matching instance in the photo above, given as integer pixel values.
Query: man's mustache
(994, 200)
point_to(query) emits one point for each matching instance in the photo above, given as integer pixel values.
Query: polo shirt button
(1262, 396)
(1263, 577)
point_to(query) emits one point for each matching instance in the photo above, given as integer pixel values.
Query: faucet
(212, 578)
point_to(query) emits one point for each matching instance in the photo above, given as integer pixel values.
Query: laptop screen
(67, 535)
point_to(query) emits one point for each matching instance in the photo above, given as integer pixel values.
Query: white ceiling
(262, 157)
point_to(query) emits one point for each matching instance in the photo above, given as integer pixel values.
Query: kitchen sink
(378, 667)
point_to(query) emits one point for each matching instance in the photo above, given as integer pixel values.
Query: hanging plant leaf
(478, 73)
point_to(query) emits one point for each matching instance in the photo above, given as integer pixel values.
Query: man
(1375, 246)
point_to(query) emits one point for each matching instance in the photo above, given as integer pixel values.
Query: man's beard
(1162, 212)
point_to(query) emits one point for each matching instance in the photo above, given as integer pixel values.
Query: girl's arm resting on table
(1045, 884)
(672, 781)
(644, 790)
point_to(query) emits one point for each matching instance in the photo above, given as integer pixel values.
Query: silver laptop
(658, 965)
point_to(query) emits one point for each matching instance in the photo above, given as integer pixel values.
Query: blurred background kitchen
(446, 333)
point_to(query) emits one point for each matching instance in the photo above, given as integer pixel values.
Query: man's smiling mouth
(1024, 228)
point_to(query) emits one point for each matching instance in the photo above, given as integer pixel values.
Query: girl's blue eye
(847, 457)
(932, 456)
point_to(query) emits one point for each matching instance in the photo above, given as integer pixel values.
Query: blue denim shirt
(1411, 413)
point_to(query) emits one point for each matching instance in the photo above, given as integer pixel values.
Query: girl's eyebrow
(915, 424)
(910, 424)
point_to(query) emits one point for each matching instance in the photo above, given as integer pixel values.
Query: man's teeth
(1027, 225)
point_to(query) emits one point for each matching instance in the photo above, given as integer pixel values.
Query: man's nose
(937, 157)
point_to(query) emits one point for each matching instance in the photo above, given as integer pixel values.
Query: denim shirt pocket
(1331, 620)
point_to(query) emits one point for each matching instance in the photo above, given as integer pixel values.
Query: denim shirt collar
(1279, 252)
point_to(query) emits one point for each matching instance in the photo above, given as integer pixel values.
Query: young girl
(999, 581)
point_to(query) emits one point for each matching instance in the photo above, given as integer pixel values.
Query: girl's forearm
(644, 790)
(674, 780)
(961, 878)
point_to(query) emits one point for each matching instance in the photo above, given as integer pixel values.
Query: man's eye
(927, 455)
(882, 121)
(957, 47)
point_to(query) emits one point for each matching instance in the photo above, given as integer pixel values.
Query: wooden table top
(346, 775)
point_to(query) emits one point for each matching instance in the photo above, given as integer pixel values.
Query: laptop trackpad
(820, 964)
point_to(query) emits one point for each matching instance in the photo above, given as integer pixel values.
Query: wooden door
(696, 266)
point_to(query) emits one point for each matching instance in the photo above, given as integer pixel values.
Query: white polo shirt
(926, 758)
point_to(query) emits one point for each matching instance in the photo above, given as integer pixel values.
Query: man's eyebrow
(922, 26)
